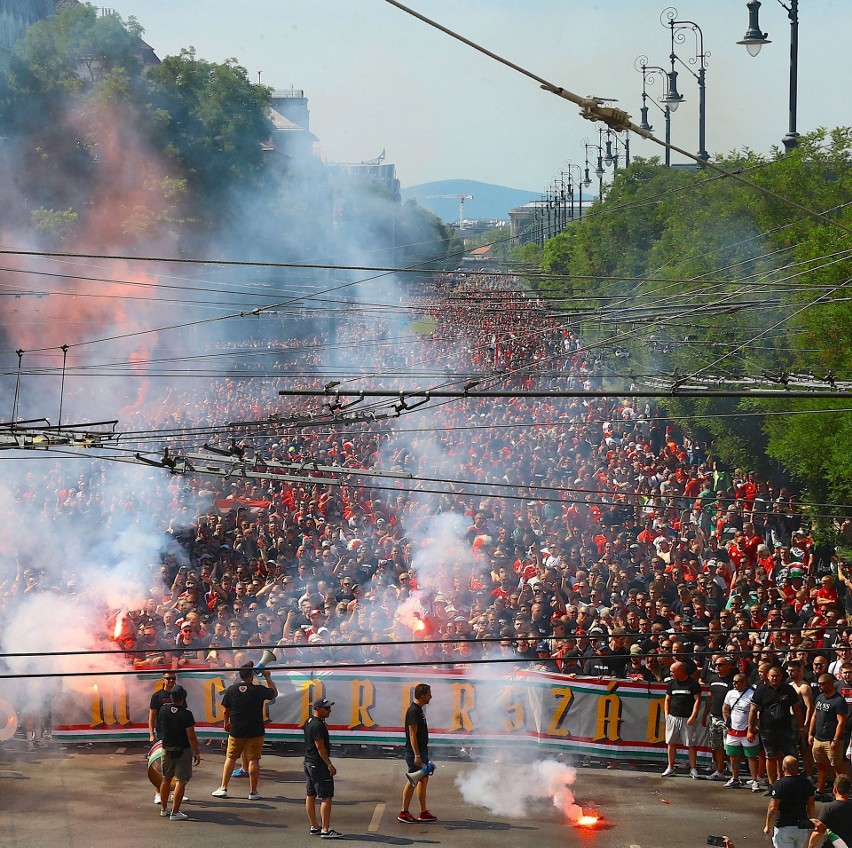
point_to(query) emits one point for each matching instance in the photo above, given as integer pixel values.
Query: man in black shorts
(319, 771)
(775, 706)
(416, 754)
(180, 751)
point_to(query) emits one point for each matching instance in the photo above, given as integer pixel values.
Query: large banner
(608, 718)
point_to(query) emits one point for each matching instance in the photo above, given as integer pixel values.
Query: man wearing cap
(243, 703)
(635, 670)
(158, 699)
(544, 660)
(319, 770)
(180, 752)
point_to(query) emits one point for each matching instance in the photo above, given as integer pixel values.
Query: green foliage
(55, 223)
(212, 119)
(694, 274)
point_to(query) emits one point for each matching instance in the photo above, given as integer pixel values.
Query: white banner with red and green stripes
(584, 716)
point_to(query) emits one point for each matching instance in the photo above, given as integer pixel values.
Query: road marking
(120, 750)
(635, 846)
(377, 817)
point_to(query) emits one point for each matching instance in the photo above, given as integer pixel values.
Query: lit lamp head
(754, 38)
(673, 97)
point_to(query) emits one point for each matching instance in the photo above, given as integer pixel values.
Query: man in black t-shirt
(319, 771)
(720, 681)
(683, 699)
(791, 801)
(243, 702)
(826, 732)
(158, 699)
(416, 754)
(835, 816)
(777, 709)
(180, 751)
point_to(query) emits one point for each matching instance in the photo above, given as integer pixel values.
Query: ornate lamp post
(578, 182)
(754, 39)
(649, 75)
(599, 169)
(677, 29)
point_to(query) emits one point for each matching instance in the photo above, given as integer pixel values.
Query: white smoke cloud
(533, 785)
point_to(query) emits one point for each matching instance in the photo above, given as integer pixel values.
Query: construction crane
(461, 199)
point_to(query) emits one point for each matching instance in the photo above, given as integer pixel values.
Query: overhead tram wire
(618, 120)
(476, 489)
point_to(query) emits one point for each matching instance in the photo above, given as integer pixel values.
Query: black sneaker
(315, 831)
(331, 834)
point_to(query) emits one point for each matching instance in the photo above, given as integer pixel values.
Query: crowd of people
(593, 536)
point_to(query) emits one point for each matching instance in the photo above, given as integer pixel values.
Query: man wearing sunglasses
(160, 697)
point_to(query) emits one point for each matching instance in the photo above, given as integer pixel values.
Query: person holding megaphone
(417, 757)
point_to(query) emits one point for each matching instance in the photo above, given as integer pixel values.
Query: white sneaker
(755, 786)
(157, 799)
(255, 796)
(178, 817)
(717, 775)
(693, 773)
(733, 783)
(220, 793)
(669, 772)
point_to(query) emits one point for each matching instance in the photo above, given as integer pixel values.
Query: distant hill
(489, 201)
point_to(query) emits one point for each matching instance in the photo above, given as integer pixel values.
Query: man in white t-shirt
(739, 740)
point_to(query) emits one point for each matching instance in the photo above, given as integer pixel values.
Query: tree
(694, 274)
(212, 119)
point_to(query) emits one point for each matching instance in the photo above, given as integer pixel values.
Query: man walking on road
(243, 702)
(158, 699)
(791, 801)
(416, 754)
(180, 752)
(319, 771)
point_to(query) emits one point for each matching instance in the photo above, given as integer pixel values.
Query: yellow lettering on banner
(363, 700)
(608, 718)
(564, 696)
(516, 715)
(110, 705)
(213, 710)
(407, 698)
(463, 703)
(656, 730)
(312, 690)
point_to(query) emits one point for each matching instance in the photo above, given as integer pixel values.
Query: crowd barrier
(586, 717)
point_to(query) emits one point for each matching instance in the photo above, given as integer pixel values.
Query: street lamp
(571, 183)
(677, 28)
(599, 169)
(755, 38)
(649, 75)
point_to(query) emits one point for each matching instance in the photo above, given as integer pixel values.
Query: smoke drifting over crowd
(151, 345)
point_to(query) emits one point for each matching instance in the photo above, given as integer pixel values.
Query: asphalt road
(89, 797)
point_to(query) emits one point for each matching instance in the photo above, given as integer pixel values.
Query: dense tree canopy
(694, 274)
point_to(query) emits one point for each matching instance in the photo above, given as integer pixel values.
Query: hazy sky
(376, 78)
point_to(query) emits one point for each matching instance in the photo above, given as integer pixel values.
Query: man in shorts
(739, 740)
(319, 771)
(775, 706)
(825, 733)
(180, 752)
(416, 754)
(683, 699)
(243, 702)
